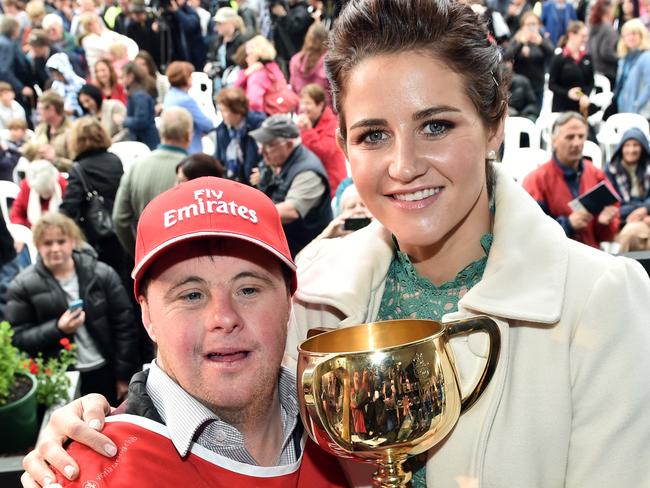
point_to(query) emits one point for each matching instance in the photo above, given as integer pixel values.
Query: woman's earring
(491, 155)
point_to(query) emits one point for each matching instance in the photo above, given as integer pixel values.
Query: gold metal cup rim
(372, 337)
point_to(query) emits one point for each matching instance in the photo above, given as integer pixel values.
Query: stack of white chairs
(544, 124)
(601, 96)
(129, 152)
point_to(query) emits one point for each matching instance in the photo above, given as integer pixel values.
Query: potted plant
(18, 419)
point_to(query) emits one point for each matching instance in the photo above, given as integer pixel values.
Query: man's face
(569, 142)
(277, 152)
(46, 113)
(218, 312)
(40, 51)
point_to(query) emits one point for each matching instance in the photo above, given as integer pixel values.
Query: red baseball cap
(208, 207)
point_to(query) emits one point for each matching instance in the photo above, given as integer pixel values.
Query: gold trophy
(384, 391)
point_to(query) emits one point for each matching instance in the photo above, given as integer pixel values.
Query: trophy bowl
(383, 391)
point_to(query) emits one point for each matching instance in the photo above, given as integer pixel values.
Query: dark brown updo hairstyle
(447, 30)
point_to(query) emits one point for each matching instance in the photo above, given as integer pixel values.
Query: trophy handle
(489, 326)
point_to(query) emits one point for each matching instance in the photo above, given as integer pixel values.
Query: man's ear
(146, 317)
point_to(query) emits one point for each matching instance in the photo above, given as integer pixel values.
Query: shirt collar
(184, 415)
(169, 147)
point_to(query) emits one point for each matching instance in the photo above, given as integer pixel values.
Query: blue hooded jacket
(619, 177)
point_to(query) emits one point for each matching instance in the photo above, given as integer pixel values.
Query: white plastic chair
(593, 151)
(208, 145)
(521, 161)
(614, 127)
(544, 125)
(8, 189)
(514, 127)
(20, 233)
(201, 91)
(129, 152)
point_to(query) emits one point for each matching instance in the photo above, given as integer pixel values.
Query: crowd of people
(325, 118)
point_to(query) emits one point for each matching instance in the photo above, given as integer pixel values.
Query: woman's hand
(256, 66)
(335, 228)
(80, 420)
(584, 102)
(303, 122)
(69, 322)
(575, 93)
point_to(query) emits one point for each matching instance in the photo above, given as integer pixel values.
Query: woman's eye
(436, 127)
(373, 137)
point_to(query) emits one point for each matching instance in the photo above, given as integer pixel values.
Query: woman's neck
(442, 261)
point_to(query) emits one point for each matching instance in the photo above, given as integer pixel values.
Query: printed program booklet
(595, 199)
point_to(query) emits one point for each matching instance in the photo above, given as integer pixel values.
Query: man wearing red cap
(214, 277)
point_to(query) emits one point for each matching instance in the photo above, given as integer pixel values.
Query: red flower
(33, 367)
(65, 342)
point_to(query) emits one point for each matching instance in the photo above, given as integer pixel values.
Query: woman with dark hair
(140, 111)
(307, 66)
(421, 106)
(146, 61)
(603, 39)
(102, 172)
(317, 124)
(571, 75)
(236, 149)
(107, 111)
(106, 80)
(198, 165)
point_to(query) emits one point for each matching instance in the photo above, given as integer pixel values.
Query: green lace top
(409, 295)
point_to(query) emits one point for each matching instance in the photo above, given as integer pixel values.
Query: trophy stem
(390, 473)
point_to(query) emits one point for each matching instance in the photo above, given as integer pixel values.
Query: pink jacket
(299, 79)
(257, 83)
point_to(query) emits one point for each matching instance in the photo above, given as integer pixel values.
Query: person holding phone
(68, 293)
(351, 213)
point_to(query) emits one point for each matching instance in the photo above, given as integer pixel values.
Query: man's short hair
(234, 99)
(175, 124)
(9, 26)
(50, 98)
(563, 119)
(4, 87)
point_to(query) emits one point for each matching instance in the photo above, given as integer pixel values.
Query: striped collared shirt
(189, 421)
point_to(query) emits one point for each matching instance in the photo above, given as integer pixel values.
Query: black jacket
(565, 74)
(35, 301)
(102, 172)
(290, 30)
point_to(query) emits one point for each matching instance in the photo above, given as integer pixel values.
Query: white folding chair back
(544, 125)
(201, 91)
(614, 127)
(523, 160)
(601, 84)
(514, 128)
(8, 189)
(20, 233)
(129, 152)
(593, 151)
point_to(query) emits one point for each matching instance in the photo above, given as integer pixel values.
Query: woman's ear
(495, 136)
